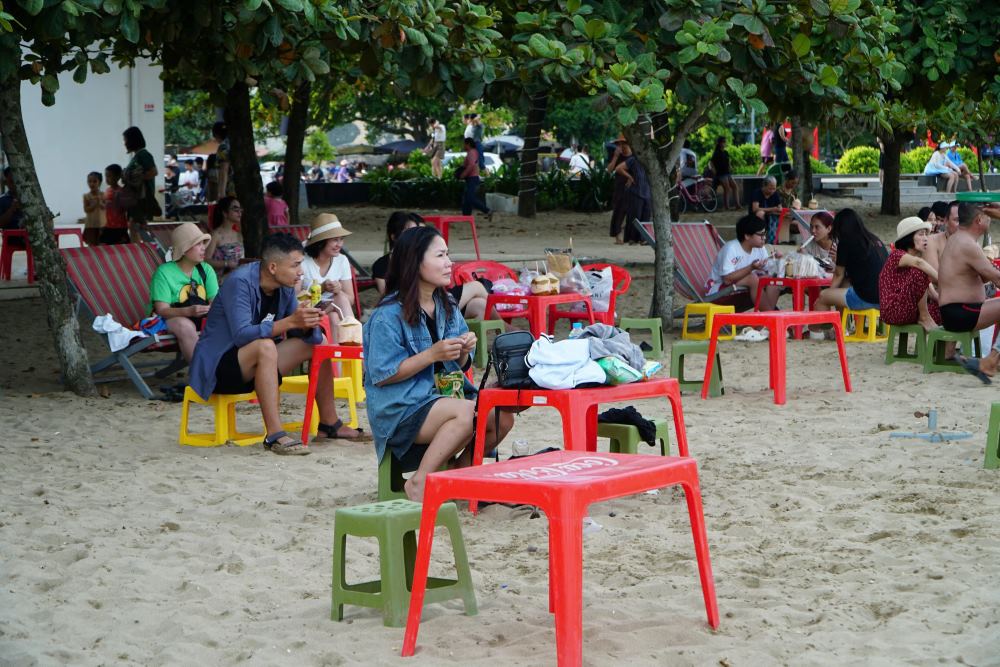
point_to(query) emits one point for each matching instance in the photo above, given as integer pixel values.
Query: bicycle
(695, 192)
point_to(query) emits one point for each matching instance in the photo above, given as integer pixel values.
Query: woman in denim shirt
(415, 332)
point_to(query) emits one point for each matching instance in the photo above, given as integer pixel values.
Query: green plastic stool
(992, 460)
(480, 328)
(391, 480)
(897, 346)
(625, 437)
(395, 523)
(654, 325)
(934, 361)
(682, 348)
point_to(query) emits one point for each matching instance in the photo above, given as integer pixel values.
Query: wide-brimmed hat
(325, 226)
(910, 225)
(621, 139)
(185, 237)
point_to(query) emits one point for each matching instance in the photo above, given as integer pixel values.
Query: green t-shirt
(170, 284)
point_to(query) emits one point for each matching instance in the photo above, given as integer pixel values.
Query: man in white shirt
(579, 163)
(741, 261)
(688, 167)
(188, 185)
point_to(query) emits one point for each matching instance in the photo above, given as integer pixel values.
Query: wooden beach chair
(696, 244)
(114, 279)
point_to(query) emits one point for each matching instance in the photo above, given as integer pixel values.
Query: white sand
(831, 544)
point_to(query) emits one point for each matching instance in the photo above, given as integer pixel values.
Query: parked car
(493, 161)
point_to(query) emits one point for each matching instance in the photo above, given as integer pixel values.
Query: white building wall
(82, 132)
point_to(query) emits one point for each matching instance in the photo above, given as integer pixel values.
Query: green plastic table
(978, 197)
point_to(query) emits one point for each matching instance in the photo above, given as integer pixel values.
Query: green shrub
(744, 158)
(819, 167)
(859, 160)
(913, 162)
(968, 157)
(506, 180)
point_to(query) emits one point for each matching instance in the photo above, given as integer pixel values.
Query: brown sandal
(329, 432)
(294, 447)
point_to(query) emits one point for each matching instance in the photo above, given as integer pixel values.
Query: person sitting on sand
(256, 331)
(964, 268)
(471, 296)
(182, 290)
(414, 335)
(741, 262)
(905, 285)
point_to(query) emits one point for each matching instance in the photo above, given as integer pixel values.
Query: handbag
(193, 297)
(507, 358)
(348, 329)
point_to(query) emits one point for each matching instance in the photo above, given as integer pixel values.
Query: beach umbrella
(507, 143)
(405, 146)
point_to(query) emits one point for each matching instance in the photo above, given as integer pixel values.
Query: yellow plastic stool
(225, 431)
(867, 327)
(708, 310)
(342, 388)
(351, 368)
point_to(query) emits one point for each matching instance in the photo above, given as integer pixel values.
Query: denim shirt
(388, 342)
(230, 323)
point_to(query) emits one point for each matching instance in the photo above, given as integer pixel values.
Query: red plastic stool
(442, 222)
(323, 353)
(10, 247)
(563, 485)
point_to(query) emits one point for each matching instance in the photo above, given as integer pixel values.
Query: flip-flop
(293, 448)
(971, 366)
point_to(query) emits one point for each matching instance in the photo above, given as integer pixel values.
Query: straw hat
(621, 139)
(185, 237)
(909, 225)
(325, 226)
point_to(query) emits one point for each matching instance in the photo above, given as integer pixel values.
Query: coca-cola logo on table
(563, 469)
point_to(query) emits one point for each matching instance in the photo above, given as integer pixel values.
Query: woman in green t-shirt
(182, 290)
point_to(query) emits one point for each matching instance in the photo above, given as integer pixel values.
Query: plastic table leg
(692, 493)
(428, 517)
(566, 564)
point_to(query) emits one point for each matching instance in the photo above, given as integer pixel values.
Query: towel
(118, 336)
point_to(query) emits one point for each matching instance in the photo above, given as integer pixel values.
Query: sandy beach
(831, 543)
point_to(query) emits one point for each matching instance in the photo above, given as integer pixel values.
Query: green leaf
(735, 85)
(932, 74)
(50, 83)
(757, 105)
(129, 27)
(596, 29)
(628, 116)
(113, 7)
(80, 73)
(820, 7)
(828, 76)
(252, 5)
(573, 6)
(687, 54)
(291, 5)
(33, 7)
(801, 44)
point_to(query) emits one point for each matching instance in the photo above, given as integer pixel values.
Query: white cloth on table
(563, 365)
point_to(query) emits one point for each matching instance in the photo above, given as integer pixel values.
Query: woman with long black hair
(415, 336)
(860, 257)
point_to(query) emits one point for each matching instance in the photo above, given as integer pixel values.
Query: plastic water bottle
(520, 448)
(576, 331)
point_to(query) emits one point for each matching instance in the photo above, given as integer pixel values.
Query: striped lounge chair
(115, 279)
(696, 245)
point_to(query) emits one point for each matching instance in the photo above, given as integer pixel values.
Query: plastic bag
(574, 281)
(601, 285)
(559, 260)
(510, 287)
(801, 265)
(618, 371)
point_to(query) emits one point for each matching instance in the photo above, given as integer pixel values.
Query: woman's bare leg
(924, 319)
(447, 429)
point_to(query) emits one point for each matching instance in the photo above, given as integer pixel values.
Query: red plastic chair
(463, 272)
(10, 246)
(622, 281)
(443, 222)
(563, 485)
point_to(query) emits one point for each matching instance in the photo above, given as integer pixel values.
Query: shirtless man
(964, 268)
(936, 242)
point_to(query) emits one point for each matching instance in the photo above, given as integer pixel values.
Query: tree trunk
(892, 143)
(294, 141)
(246, 169)
(802, 163)
(527, 195)
(50, 269)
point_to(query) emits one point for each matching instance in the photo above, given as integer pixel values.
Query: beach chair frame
(115, 279)
(691, 238)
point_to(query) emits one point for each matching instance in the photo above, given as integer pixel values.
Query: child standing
(116, 224)
(277, 208)
(93, 207)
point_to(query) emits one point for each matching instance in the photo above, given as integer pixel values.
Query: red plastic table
(443, 222)
(801, 287)
(322, 353)
(563, 485)
(777, 322)
(538, 307)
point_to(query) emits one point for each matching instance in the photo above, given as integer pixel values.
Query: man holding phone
(257, 331)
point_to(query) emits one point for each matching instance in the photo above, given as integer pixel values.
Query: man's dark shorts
(229, 376)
